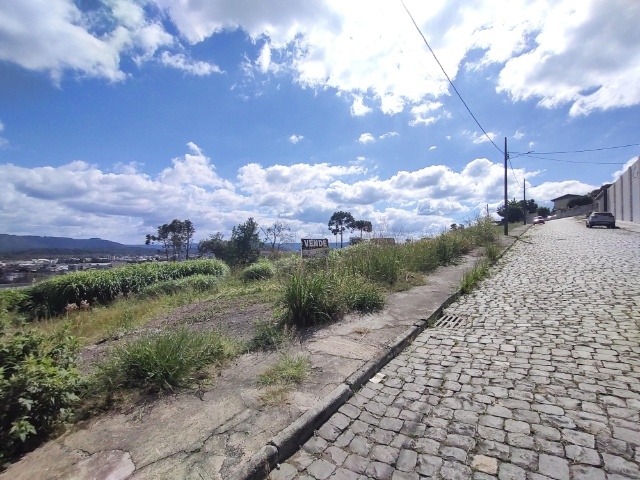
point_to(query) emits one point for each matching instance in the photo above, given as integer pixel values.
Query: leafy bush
(51, 297)
(310, 298)
(164, 361)
(12, 298)
(38, 386)
(260, 270)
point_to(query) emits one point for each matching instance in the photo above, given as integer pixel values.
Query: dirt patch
(231, 317)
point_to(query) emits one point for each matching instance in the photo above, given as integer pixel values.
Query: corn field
(52, 297)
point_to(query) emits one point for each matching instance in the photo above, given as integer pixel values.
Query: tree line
(517, 209)
(243, 248)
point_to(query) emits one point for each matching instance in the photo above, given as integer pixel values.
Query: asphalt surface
(533, 376)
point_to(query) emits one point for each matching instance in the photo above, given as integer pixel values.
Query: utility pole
(506, 202)
(524, 196)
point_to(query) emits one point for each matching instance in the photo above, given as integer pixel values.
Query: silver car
(601, 219)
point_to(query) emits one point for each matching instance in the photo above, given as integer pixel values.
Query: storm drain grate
(450, 322)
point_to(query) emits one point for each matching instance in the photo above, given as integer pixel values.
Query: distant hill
(32, 245)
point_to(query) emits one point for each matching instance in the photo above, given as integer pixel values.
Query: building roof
(568, 195)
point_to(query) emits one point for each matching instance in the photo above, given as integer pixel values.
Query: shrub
(260, 270)
(310, 298)
(51, 297)
(38, 386)
(165, 361)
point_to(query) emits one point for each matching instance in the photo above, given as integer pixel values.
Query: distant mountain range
(12, 246)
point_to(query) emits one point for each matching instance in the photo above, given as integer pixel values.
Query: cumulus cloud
(180, 62)
(617, 173)
(433, 147)
(556, 51)
(477, 138)
(358, 108)
(366, 138)
(82, 200)
(388, 135)
(295, 138)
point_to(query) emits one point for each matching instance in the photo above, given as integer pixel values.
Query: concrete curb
(287, 442)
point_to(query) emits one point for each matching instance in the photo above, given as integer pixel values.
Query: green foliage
(12, 298)
(288, 370)
(492, 252)
(514, 209)
(529, 206)
(164, 361)
(576, 202)
(543, 212)
(51, 297)
(339, 222)
(196, 283)
(38, 387)
(260, 270)
(270, 335)
(245, 243)
(362, 296)
(286, 266)
(311, 297)
(378, 263)
(471, 278)
(174, 237)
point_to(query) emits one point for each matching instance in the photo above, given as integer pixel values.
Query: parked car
(601, 219)
(538, 220)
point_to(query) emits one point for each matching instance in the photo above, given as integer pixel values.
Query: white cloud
(358, 108)
(82, 200)
(617, 173)
(3, 141)
(264, 59)
(295, 138)
(360, 158)
(388, 135)
(559, 52)
(477, 138)
(518, 135)
(421, 114)
(179, 61)
(433, 147)
(366, 138)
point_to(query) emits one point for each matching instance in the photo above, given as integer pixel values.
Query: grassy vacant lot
(163, 326)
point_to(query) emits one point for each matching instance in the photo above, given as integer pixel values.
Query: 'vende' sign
(315, 247)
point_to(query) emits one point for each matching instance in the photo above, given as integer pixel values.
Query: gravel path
(540, 379)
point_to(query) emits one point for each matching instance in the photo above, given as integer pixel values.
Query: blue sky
(117, 116)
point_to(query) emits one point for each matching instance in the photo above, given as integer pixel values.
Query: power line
(581, 151)
(572, 161)
(513, 171)
(449, 79)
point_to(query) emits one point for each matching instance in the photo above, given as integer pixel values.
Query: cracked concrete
(208, 436)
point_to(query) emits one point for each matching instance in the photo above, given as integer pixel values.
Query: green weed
(289, 369)
(165, 361)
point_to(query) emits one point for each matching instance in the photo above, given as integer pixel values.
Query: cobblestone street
(539, 380)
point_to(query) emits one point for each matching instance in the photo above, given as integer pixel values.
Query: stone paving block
(508, 471)
(553, 467)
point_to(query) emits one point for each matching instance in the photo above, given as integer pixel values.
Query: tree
(515, 213)
(175, 236)
(245, 242)
(543, 212)
(576, 202)
(215, 244)
(339, 222)
(277, 234)
(529, 206)
(363, 226)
